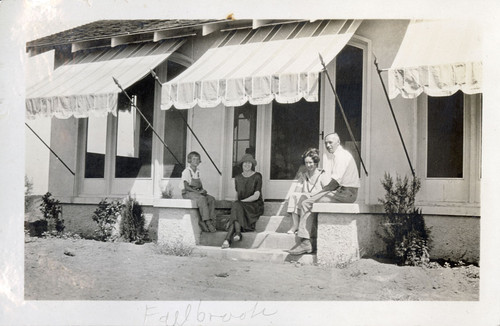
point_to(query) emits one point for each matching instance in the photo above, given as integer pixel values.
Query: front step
(252, 240)
(280, 224)
(268, 242)
(266, 255)
(270, 207)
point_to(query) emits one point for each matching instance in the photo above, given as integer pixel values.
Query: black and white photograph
(180, 163)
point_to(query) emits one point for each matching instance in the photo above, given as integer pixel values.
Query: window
(95, 147)
(175, 137)
(445, 132)
(137, 165)
(128, 131)
(118, 151)
(244, 133)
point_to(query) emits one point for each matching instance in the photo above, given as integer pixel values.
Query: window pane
(244, 127)
(295, 128)
(175, 138)
(445, 129)
(140, 165)
(96, 147)
(128, 132)
(349, 87)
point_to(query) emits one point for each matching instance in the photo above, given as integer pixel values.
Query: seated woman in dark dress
(249, 207)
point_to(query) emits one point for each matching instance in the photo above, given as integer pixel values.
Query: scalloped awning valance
(439, 58)
(84, 86)
(278, 62)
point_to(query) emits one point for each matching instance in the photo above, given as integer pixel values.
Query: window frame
(146, 188)
(468, 187)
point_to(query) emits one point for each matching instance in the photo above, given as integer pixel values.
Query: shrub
(106, 215)
(51, 210)
(132, 223)
(403, 226)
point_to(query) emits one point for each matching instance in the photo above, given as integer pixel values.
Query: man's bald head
(332, 141)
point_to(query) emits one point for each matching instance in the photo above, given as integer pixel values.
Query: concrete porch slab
(267, 255)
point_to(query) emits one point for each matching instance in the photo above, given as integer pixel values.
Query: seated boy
(192, 188)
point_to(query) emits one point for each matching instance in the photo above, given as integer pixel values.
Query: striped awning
(84, 86)
(439, 58)
(278, 62)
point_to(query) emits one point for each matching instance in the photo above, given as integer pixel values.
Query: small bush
(403, 226)
(106, 215)
(52, 210)
(132, 224)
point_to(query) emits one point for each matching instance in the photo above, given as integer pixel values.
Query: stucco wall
(208, 124)
(386, 151)
(64, 135)
(455, 237)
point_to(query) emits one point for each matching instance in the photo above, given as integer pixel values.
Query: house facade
(226, 88)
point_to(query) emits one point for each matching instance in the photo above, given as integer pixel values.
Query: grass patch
(174, 248)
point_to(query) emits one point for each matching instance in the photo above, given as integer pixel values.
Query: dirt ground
(77, 269)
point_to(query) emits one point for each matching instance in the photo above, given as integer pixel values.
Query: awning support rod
(60, 160)
(146, 120)
(379, 71)
(343, 113)
(189, 127)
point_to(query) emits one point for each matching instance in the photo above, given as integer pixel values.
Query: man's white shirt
(341, 166)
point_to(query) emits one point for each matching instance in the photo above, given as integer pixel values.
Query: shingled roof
(103, 29)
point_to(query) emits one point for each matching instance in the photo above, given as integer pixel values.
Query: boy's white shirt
(186, 176)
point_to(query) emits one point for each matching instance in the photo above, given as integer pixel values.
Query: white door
(241, 137)
(289, 130)
(449, 148)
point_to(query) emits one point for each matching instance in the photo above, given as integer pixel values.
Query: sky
(24, 20)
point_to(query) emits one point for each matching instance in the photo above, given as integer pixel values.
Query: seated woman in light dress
(310, 182)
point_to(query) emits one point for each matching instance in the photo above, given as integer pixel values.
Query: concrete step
(275, 208)
(270, 208)
(280, 224)
(252, 240)
(267, 255)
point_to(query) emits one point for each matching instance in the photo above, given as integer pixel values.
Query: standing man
(340, 167)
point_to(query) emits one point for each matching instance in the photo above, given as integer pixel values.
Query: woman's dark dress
(247, 213)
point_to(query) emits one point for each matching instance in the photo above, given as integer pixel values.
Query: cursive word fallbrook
(154, 316)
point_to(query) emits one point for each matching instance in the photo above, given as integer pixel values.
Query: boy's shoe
(203, 226)
(211, 226)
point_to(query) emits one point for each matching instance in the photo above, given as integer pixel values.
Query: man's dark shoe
(305, 247)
